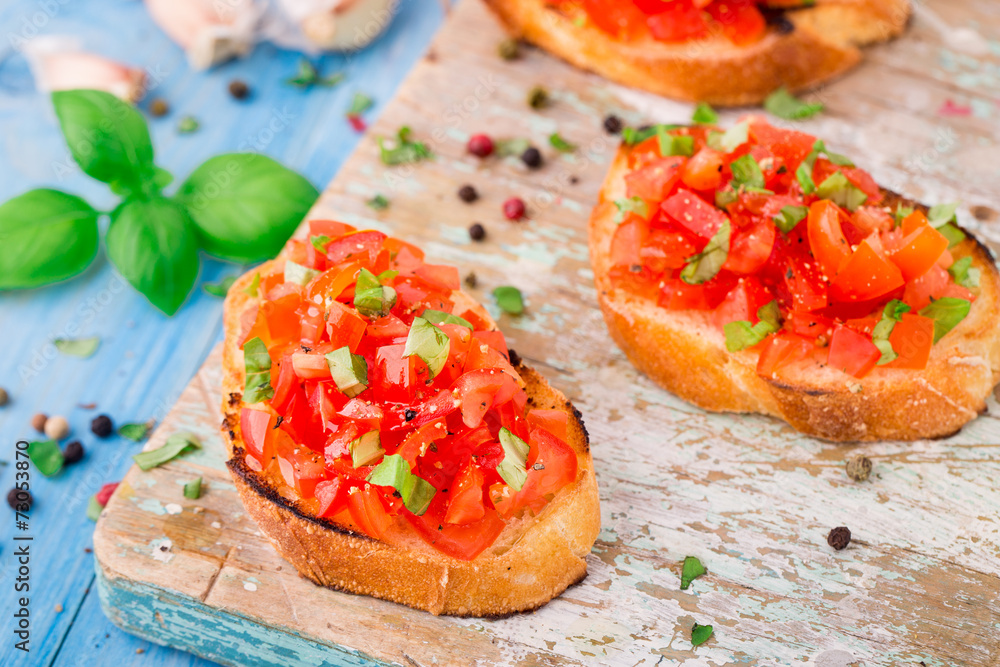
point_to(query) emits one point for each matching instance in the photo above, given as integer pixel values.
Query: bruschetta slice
(724, 52)
(388, 443)
(755, 270)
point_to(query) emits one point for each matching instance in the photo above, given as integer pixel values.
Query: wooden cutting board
(750, 497)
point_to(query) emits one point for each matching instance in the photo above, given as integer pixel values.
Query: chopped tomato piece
(852, 352)
(554, 421)
(682, 22)
(750, 247)
(704, 170)
(345, 326)
(741, 21)
(781, 350)
(464, 542)
(627, 242)
(826, 236)
(466, 504)
(255, 426)
(866, 275)
(694, 213)
(656, 180)
(479, 390)
(919, 250)
(912, 340)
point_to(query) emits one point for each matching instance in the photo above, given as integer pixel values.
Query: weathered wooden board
(749, 496)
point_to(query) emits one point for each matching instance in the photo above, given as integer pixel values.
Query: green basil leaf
(901, 213)
(691, 570)
(378, 203)
(731, 139)
(78, 347)
(371, 298)
(45, 236)
(700, 634)
(511, 147)
(705, 265)
(513, 469)
(674, 145)
(635, 205)
(135, 432)
(561, 144)
(704, 115)
(636, 135)
(402, 150)
(360, 103)
(245, 205)
(298, 274)
(46, 456)
(220, 288)
(509, 299)
(320, 242)
(747, 172)
(946, 313)
(441, 317)
(154, 247)
(107, 137)
(192, 489)
(741, 335)
(838, 189)
(394, 471)
(257, 365)
(783, 104)
(94, 508)
(349, 371)
(964, 273)
(176, 444)
(942, 214)
(726, 196)
(952, 233)
(366, 450)
(789, 217)
(892, 313)
(429, 343)
(253, 289)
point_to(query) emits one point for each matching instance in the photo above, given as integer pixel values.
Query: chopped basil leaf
(902, 213)
(700, 634)
(78, 347)
(513, 468)
(371, 298)
(704, 115)
(946, 313)
(634, 135)
(220, 288)
(403, 150)
(952, 233)
(349, 371)
(253, 288)
(319, 242)
(509, 299)
(804, 173)
(731, 139)
(561, 144)
(746, 172)
(741, 334)
(308, 76)
(415, 491)
(835, 158)
(783, 104)
(379, 202)
(366, 450)
(942, 214)
(691, 570)
(298, 274)
(635, 205)
(674, 145)
(512, 147)
(257, 364)
(429, 343)
(192, 490)
(892, 313)
(94, 508)
(360, 103)
(441, 317)
(46, 456)
(135, 432)
(789, 217)
(964, 273)
(176, 444)
(841, 191)
(387, 275)
(705, 265)
(725, 196)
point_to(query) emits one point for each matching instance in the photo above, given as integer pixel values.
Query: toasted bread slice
(814, 44)
(533, 560)
(686, 354)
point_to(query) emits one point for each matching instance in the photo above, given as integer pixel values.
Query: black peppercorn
(468, 194)
(159, 107)
(17, 497)
(532, 157)
(515, 358)
(612, 124)
(477, 232)
(73, 452)
(470, 280)
(410, 414)
(839, 537)
(239, 89)
(101, 426)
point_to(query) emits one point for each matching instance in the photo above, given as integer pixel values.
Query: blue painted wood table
(145, 358)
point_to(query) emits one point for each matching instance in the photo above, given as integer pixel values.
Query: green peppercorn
(538, 98)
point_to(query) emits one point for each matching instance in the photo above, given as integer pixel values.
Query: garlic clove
(57, 63)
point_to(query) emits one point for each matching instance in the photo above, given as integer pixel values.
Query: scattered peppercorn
(18, 496)
(480, 145)
(859, 468)
(4, 396)
(38, 422)
(470, 280)
(538, 98)
(509, 49)
(468, 194)
(532, 158)
(477, 232)
(513, 208)
(612, 124)
(73, 452)
(56, 427)
(101, 426)
(515, 358)
(239, 89)
(839, 537)
(159, 107)
(573, 180)
(410, 414)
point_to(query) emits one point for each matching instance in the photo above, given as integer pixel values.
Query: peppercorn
(509, 49)
(538, 98)
(468, 194)
(38, 422)
(839, 537)
(19, 496)
(101, 426)
(410, 414)
(470, 280)
(480, 145)
(73, 452)
(513, 208)
(159, 107)
(859, 468)
(188, 124)
(56, 427)
(477, 232)
(515, 358)
(532, 158)
(4, 396)
(612, 124)
(239, 89)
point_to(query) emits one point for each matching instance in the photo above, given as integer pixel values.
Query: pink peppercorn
(513, 208)
(480, 145)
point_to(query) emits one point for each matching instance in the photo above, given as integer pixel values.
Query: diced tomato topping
(911, 340)
(781, 350)
(656, 180)
(866, 275)
(852, 352)
(688, 209)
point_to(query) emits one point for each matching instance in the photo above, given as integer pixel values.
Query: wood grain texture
(748, 495)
